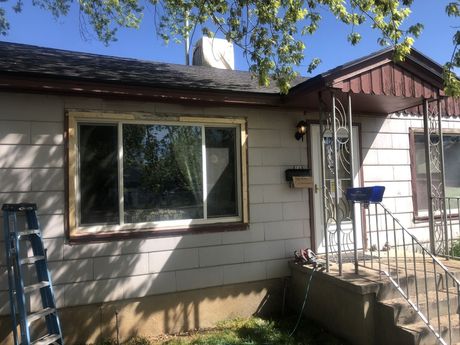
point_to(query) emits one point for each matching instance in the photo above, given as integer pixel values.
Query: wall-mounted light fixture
(301, 130)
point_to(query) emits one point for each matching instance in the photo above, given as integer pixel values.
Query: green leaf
(4, 25)
(271, 33)
(451, 82)
(354, 38)
(313, 64)
(416, 29)
(453, 9)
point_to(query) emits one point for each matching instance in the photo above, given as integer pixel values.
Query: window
(126, 173)
(451, 143)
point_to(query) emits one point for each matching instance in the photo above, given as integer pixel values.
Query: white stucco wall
(32, 170)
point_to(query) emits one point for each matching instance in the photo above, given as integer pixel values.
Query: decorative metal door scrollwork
(434, 154)
(337, 176)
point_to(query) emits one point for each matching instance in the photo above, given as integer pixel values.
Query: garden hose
(315, 268)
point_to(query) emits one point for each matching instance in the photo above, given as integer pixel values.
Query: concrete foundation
(168, 313)
(345, 306)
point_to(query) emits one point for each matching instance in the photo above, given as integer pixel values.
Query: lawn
(252, 331)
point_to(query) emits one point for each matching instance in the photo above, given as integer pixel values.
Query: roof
(426, 69)
(55, 63)
(377, 84)
(415, 56)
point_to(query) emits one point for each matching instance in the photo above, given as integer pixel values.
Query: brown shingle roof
(55, 63)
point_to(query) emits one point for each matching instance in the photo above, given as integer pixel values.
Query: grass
(252, 331)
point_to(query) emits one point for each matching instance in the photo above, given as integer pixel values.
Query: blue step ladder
(17, 243)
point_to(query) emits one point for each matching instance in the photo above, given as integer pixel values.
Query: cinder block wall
(32, 170)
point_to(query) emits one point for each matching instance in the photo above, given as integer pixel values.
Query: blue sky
(38, 27)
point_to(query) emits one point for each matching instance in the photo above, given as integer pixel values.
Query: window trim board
(422, 217)
(224, 223)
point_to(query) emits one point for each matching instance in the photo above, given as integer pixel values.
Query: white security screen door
(344, 211)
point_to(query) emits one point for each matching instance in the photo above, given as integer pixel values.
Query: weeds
(252, 331)
(132, 341)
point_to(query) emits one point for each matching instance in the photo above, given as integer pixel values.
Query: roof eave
(417, 63)
(107, 89)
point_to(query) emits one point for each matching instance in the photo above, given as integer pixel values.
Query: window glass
(98, 174)
(343, 154)
(420, 170)
(162, 173)
(451, 144)
(452, 164)
(221, 172)
(137, 175)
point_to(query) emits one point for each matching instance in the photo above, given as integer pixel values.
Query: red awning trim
(449, 107)
(389, 80)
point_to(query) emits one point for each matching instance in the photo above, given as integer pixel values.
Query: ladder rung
(31, 259)
(47, 339)
(39, 314)
(28, 232)
(19, 207)
(36, 286)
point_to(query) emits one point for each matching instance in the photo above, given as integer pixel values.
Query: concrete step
(403, 313)
(423, 336)
(409, 328)
(400, 322)
(410, 283)
(393, 320)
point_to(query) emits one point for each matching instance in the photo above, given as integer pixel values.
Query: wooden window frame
(413, 131)
(76, 233)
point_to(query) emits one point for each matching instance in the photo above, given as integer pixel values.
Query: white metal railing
(447, 227)
(414, 271)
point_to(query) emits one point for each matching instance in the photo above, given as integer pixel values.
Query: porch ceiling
(377, 84)
(361, 103)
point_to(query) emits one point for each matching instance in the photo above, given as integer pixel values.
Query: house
(161, 188)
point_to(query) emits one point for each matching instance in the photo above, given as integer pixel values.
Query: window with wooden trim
(451, 144)
(129, 173)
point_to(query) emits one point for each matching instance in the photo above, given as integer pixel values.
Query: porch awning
(379, 85)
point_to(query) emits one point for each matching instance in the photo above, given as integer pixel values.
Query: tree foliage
(452, 83)
(271, 32)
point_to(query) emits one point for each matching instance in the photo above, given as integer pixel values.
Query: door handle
(316, 188)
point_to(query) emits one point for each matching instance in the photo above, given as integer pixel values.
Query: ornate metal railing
(414, 271)
(447, 228)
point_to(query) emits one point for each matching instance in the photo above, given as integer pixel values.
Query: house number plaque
(302, 181)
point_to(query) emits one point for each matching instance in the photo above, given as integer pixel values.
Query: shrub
(455, 249)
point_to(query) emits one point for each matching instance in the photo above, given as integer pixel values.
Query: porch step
(399, 323)
(387, 290)
(393, 321)
(409, 329)
(422, 336)
(404, 314)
